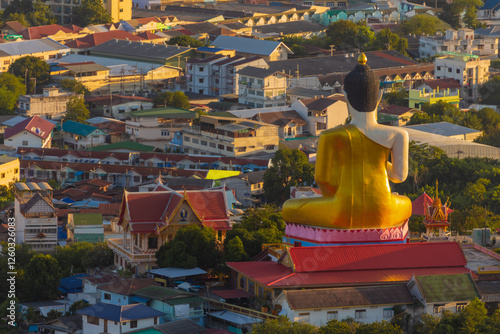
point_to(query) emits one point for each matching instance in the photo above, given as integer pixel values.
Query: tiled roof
(43, 31)
(321, 103)
(447, 288)
(132, 146)
(287, 28)
(148, 35)
(14, 25)
(129, 285)
(442, 83)
(120, 313)
(281, 118)
(101, 37)
(348, 297)
(35, 125)
(78, 128)
(199, 28)
(371, 257)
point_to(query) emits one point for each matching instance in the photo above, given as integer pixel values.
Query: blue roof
(72, 283)
(207, 49)
(120, 313)
(67, 200)
(247, 45)
(490, 4)
(62, 234)
(87, 204)
(78, 128)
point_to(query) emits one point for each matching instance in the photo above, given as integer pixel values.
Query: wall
(9, 172)
(18, 139)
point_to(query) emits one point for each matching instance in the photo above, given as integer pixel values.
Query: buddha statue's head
(362, 87)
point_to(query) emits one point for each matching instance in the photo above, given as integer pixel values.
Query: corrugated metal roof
(29, 47)
(120, 313)
(447, 288)
(247, 45)
(371, 257)
(444, 129)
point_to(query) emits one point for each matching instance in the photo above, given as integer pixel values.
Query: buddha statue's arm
(327, 173)
(397, 170)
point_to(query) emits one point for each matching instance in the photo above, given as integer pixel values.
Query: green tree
(185, 40)
(43, 274)
(90, 12)
(283, 325)
(341, 33)
(40, 15)
(71, 85)
(169, 99)
(490, 91)
(364, 36)
(180, 100)
(71, 257)
(10, 89)
(19, 17)
(383, 327)
(461, 12)
(175, 254)
(338, 327)
(99, 256)
(235, 252)
(53, 314)
(289, 168)
(385, 39)
(78, 305)
(31, 70)
(397, 97)
(420, 24)
(76, 110)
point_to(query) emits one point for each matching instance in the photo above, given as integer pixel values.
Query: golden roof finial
(362, 59)
(437, 191)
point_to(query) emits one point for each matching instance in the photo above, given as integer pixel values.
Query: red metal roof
(374, 257)
(36, 125)
(149, 206)
(236, 293)
(102, 37)
(418, 205)
(43, 31)
(442, 83)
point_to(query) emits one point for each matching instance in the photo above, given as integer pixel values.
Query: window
(107, 296)
(458, 70)
(438, 308)
(303, 317)
(259, 93)
(438, 68)
(195, 141)
(229, 149)
(165, 132)
(201, 68)
(269, 147)
(449, 69)
(251, 91)
(259, 81)
(3, 175)
(332, 315)
(243, 283)
(203, 143)
(153, 243)
(220, 147)
(360, 314)
(342, 4)
(251, 287)
(133, 324)
(188, 139)
(92, 320)
(388, 312)
(242, 149)
(6, 62)
(212, 145)
(25, 143)
(201, 80)
(461, 306)
(121, 10)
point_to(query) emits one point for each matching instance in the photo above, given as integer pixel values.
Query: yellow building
(432, 91)
(9, 170)
(120, 10)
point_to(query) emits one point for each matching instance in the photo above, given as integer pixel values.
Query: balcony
(135, 256)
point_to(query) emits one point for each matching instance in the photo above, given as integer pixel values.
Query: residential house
(230, 137)
(247, 47)
(167, 276)
(9, 170)
(322, 113)
(85, 227)
(432, 91)
(461, 41)
(175, 304)
(90, 74)
(11, 27)
(109, 318)
(117, 106)
(402, 114)
(489, 10)
(36, 218)
(32, 132)
(80, 136)
(120, 293)
(262, 88)
(97, 38)
(151, 219)
(443, 292)
(290, 123)
(469, 70)
(199, 70)
(448, 130)
(52, 31)
(158, 125)
(51, 104)
(71, 324)
(304, 29)
(376, 264)
(44, 49)
(365, 304)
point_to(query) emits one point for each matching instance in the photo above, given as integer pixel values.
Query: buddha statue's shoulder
(341, 131)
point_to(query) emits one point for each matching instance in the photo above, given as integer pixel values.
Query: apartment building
(51, 104)
(461, 40)
(432, 91)
(9, 170)
(469, 70)
(44, 49)
(36, 217)
(262, 88)
(230, 136)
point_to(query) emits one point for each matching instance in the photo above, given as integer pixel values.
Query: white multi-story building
(462, 41)
(469, 70)
(216, 75)
(51, 104)
(262, 88)
(35, 216)
(230, 136)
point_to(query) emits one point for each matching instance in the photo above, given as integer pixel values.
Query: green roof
(149, 331)
(178, 301)
(79, 128)
(87, 218)
(126, 145)
(89, 237)
(163, 294)
(221, 114)
(447, 288)
(168, 112)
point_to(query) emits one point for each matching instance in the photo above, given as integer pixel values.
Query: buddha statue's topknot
(362, 86)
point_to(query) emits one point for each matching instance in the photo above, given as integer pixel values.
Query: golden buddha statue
(354, 164)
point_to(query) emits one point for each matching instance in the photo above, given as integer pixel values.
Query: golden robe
(351, 171)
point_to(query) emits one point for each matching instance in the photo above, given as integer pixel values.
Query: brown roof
(14, 25)
(103, 279)
(442, 83)
(348, 297)
(281, 118)
(127, 286)
(101, 37)
(116, 99)
(43, 31)
(321, 103)
(396, 110)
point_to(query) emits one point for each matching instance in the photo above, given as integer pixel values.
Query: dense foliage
(90, 12)
(33, 71)
(169, 99)
(28, 13)
(76, 110)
